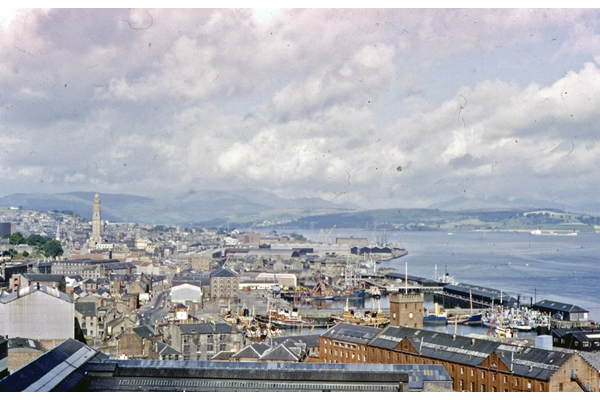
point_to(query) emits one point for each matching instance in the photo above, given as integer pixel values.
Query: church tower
(96, 238)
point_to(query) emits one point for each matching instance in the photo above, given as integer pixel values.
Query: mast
(406, 278)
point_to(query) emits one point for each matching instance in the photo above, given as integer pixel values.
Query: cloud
(307, 103)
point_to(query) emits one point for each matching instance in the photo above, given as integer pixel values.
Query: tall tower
(96, 221)
(406, 310)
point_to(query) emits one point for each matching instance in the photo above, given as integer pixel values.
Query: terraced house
(475, 365)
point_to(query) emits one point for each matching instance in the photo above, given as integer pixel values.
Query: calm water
(560, 268)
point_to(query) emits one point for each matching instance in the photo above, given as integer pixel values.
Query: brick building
(475, 365)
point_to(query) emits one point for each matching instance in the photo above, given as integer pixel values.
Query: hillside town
(122, 293)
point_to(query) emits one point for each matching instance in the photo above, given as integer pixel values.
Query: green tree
(16, 238)
(53, 249)
(25, 253)
(36, 240)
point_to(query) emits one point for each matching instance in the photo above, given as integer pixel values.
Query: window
(483, 388)
(472, 387)
(528, 384)
(462, 370)
(472, 372)
(505, 379)
(482, 375)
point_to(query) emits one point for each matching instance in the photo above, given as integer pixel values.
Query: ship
(467, 319)
(370, 318)
(553, 233)
(290, 319)
(436, 317)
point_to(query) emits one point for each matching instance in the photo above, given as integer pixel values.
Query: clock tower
(406, 310)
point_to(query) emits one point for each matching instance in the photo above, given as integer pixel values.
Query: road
(153, 312)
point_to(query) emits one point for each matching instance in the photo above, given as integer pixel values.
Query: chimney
(472, 341)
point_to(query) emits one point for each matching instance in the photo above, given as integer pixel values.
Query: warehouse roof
(525, 361)
(558, 306)
(351, 333)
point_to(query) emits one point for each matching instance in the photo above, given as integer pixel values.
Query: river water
(560, 268)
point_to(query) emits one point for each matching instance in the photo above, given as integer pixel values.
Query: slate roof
(45, 277)
(223, 273)
(223, 355)
(525, 361)
(280, 353)
(86, 308)
(254, 350)
(145, 331)
(58, 369)
(166, 350)
(205, 328)
(351, 333)
(311, 341)
(558, 306)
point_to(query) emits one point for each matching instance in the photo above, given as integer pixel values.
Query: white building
(186, 294)
(37, 312)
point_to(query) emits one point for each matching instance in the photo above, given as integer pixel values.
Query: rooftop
(136, 375)
(559, 307)
(524, 361)
(205, 328)
(353, 333)
(59, 369)
(26, 291)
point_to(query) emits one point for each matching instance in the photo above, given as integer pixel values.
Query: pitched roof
(559, 307)
(223, 273)
(592, 357)
(524, 361)
(166, 350)
(352, 333)
(33, 289)
(145, 331)
(254, 350)
(86, 308)
(280, 353)
(59, 369)
(223, 355)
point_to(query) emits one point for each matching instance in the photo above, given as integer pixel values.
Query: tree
(53, 249)
(25, 253)
(16, 238)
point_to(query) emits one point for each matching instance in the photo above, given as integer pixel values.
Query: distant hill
(192, 207)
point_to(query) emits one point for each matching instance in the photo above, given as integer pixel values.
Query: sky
(373, 107)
